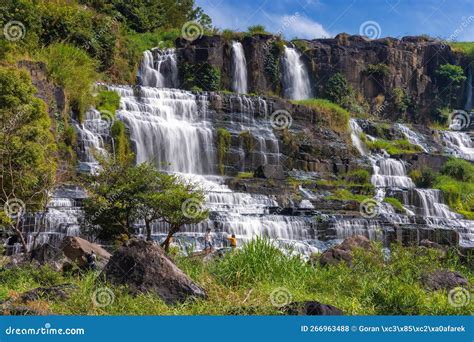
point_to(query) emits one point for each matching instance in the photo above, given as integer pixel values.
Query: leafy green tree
(450, 78)
(27, 149)
(123, 194)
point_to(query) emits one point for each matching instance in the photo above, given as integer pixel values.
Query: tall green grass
(336, 116)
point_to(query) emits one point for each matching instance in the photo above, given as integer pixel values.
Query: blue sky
(447, 19)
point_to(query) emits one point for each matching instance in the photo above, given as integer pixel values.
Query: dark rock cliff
(409, 64)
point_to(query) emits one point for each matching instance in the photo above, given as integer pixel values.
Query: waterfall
(169, 127)
(175, 130)
(159, 69)
(239, 68)
(413, 137)
(459, 144)
(390, 173)
(355, 133)
(469, 90)
(295, 77)
(91, 135)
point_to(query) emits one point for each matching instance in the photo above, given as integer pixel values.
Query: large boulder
(144, 268)
(444, 280)
(77, 249)
(52, 256)
(311, 308)
(343, 252)
(270, 172)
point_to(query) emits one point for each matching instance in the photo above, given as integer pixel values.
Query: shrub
(378, 70)
(108, 101)
(392, 146)
(450, 78)
(203, 75)
(423, 178)
(74, 70)
(248, 140)
(459, 169)
(338, 90)
(121, 142)
(257, 29)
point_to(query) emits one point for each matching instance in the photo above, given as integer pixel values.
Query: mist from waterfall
(239, 68)
(295, 76)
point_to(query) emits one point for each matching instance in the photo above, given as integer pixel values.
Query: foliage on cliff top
(464, 47)
(336, 117)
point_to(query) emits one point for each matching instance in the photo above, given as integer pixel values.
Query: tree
(27, 150)
(450, 78)
(124, 194)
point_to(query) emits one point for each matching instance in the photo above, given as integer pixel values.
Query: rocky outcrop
(444, 280)
(52, 256)
(374, 68)
(76, 249)
(343, 252)
(311, 308)
(144, 268)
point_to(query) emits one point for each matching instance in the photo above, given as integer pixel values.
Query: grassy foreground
(250, 281)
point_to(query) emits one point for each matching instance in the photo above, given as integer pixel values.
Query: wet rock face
(144, 268)
(410, 64)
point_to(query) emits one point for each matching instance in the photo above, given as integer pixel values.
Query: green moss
(271, 63)
(248, 140)
(108, 101)
(392, 147)
(245, 175)
(423, 178)
(336, 117)
(121, 142)
(346, 195)
(360, 176)
(223, 146)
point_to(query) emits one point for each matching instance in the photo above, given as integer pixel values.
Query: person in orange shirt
(233, 241)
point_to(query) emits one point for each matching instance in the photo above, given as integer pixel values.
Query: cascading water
(174, 129)
(356, 131)
(459, 144)
(295, 77)
(159, 68)
(239, 68)
(423, 207)
(91, 134)
(413, 137)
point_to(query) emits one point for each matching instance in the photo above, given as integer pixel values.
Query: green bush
(338, 90)
(121, 142)
(248, 140)
(257, 29)
(107, 101)
(423, 178)
(74, 70)
(459, 169)
(203, 75)
(259, 260)
(378, 70)
(392, 147)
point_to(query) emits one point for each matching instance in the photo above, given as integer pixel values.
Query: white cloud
(303, 27)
